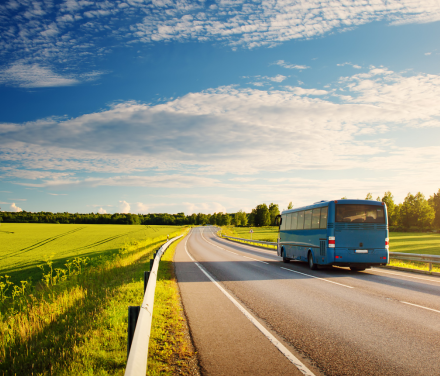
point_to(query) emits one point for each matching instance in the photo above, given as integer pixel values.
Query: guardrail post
(430, 266)
(146, 277)
(151, 264)
(133, 314)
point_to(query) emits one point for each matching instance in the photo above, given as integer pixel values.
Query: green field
(411, 242)
(23, 246)
(78, 325)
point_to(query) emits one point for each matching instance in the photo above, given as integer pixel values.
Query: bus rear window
(360, 213)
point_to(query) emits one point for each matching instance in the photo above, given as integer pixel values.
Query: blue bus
(349, 233)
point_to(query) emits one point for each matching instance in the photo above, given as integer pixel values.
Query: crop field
(411, 242)
(75, 322)
(24, 246)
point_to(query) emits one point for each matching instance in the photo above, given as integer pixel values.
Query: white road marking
(322, 279)
(290, 270)
(416, 305)
(231, 251)
(273, 253)
(250, 258)
(292, 358)
(406, 275)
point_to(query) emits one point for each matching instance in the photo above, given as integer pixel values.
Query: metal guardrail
(137, 359)
(250, 241)
(429, 259)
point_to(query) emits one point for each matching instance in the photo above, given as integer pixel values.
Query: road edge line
(292, 358)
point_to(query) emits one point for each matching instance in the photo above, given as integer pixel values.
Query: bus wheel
(312, 265)
(356, 269)
(285, 259)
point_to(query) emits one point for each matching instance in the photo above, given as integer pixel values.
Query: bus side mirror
(278, 220)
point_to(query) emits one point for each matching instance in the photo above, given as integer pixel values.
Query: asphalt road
(331, 322)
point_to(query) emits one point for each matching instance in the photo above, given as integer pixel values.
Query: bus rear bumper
(356, 264)
(352, 257)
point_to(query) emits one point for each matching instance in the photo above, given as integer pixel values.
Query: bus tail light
(331, 242)
(387, 243)
(338, 257)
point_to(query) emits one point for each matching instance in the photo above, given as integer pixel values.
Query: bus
(348, 233)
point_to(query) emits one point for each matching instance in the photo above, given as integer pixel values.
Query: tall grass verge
(77, 326)
(170, 351)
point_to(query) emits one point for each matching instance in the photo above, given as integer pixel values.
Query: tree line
(415, 213)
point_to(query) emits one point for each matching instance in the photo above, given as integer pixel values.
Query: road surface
(285, 319)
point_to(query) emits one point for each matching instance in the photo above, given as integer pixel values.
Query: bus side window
(315, 217)
(287, 227)
(323, 221)
(283, 223)
(307, 220)
(300, 224)
(294, 220)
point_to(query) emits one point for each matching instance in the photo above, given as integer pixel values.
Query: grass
(415, 242)
(410, 242)
(24, 246)
(267, 233)
(170, 351)
(78, 326)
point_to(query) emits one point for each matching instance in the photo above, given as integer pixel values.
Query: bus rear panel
(351, 233)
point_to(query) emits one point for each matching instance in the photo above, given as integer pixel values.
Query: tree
(202, 219)
(416, 211)
(388, 199)
(251, 217)
(218, 219)
(290, 206)
(369, 196)
(241, 218)
(226, 219)
(274, 210)
(378, 198)
(262, 215)
(434, 201)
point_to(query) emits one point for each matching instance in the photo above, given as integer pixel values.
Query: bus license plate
(361, 251)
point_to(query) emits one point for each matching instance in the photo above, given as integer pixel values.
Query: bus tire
(356, 269)
(312, 264)
(285, 259)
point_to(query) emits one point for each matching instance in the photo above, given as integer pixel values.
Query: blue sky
(205, 106)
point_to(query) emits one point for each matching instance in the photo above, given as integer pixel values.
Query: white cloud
(33, 75)
(302, 91)
(141, 208)
(428, 53)
(15, 208)
(347, 63)
(222, 130)
(124, 207)
(77, 31)
(242, 179)
(102, 211)
(204, 207)
(284, 64)
(277, 78)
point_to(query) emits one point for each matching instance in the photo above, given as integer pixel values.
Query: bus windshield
(360, 213)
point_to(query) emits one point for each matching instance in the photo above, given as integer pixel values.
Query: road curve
(333, 321)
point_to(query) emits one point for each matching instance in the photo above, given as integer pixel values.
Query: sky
(140, 106)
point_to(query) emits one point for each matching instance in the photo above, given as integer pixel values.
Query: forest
(415, 213)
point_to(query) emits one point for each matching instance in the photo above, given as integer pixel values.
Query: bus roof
(324, 203)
